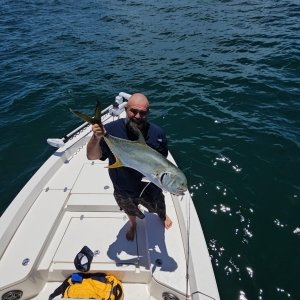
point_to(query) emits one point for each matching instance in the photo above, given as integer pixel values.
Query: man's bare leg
(167, 222)
(131, 231)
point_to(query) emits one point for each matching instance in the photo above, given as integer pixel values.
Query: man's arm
(93, 149)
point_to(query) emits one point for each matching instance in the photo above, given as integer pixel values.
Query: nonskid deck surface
(77, 208)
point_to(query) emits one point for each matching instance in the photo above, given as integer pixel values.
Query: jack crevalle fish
(139, 156)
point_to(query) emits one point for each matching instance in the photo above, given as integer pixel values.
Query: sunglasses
(142, 113)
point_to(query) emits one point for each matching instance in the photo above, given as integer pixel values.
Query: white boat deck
(77, 204)
(72, 206)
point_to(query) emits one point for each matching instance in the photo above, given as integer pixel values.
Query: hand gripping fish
(139, 156)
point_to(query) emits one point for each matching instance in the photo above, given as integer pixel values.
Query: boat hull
(68, 204)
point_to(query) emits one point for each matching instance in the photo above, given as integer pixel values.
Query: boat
(68, 204)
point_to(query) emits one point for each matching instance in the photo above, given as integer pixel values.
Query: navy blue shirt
(127, 181)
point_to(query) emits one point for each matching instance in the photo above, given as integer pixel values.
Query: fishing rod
(114, 110)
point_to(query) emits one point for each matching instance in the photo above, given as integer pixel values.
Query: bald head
(138, 100)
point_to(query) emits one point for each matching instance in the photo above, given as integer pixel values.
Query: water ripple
(223, 80)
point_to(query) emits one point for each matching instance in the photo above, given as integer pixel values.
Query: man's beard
(141, 124)
(134, 124)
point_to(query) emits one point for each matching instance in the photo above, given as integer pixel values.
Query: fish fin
(98, 112)
(82, 116)
(116, 164)
(98, 115)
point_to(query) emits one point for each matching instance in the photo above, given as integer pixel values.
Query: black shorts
(154, 203)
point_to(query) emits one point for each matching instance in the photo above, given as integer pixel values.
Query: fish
(137, 155)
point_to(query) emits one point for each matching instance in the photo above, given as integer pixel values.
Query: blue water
(223, 78)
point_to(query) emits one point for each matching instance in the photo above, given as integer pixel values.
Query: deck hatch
(93, 179)
(105, 234)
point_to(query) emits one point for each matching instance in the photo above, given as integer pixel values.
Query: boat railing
(114, 110)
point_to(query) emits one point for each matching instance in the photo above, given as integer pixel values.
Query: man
(129, 190)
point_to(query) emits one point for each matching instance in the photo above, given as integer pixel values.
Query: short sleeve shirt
(127, 181)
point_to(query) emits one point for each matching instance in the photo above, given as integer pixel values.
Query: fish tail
(82, 116)
(98, 112)
(97, 117)
(92, 120)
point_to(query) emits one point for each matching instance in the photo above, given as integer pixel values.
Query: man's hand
(98, 131)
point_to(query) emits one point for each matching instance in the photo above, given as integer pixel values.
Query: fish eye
(163, 175)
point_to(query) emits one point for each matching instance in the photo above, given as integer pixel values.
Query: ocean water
(223, 79)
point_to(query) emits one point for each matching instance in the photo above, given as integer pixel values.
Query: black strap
(95, 276)
(60, 290)
(117, 291)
